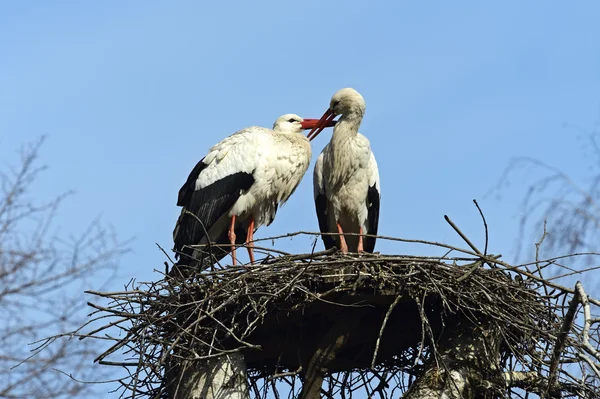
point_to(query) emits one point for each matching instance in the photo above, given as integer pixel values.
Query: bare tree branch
(570, 205)
(42, 278)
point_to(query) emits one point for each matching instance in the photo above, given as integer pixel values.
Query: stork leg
(250, 240)
(360, 241)
(231, 235)
(343, 245)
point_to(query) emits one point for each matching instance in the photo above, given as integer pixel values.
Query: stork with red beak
(237, 187)
(346, 178)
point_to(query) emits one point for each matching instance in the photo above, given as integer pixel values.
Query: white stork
(238, 186)
(346, 178)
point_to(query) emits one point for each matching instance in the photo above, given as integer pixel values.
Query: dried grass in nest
(276, 311)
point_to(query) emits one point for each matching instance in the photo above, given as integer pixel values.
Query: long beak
(325, 121)
(313, 123)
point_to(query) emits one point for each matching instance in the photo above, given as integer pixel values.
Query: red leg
(343, 245)
(250, 240)
(231, 235)
(360, 241)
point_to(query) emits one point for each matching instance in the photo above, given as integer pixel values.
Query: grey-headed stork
(238, 186)
(346, 178)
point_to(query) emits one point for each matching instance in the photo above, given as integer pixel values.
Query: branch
(585, 334)
(562, 337)
(531, 381)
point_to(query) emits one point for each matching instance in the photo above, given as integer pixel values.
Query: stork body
(346, 178)
(238, 186)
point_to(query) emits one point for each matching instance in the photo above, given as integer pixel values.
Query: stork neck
(347, 126)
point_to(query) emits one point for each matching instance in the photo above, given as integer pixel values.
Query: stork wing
(321, 204)
(207, 205)
(212, 189)
(373, 198)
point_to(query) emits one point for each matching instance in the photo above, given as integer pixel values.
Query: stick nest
(275, 312)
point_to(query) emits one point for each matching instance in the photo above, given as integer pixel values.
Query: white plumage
(238, 186)
(346, 178)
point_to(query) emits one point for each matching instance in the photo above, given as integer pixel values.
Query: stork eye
(292, 120)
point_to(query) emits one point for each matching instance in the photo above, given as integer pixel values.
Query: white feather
(277, 159)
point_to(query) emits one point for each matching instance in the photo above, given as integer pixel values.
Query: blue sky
(132, 94)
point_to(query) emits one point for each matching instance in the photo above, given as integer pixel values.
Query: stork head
(346, 102)
(292, 123)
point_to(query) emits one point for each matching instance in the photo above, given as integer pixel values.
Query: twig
(165, 253)
(485, 227)
(469, 243)
(286, 374)
(585, 334)
(562, 337)
(385, 320)
(462, 235)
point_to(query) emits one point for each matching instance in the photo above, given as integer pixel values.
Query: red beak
(313, 123)
(325, 121)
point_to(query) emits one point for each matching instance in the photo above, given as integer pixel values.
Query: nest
(276, 312)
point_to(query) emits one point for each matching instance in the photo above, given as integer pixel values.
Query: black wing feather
(208, 205)
(321, 205)
(188, 188)
(372, 218)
